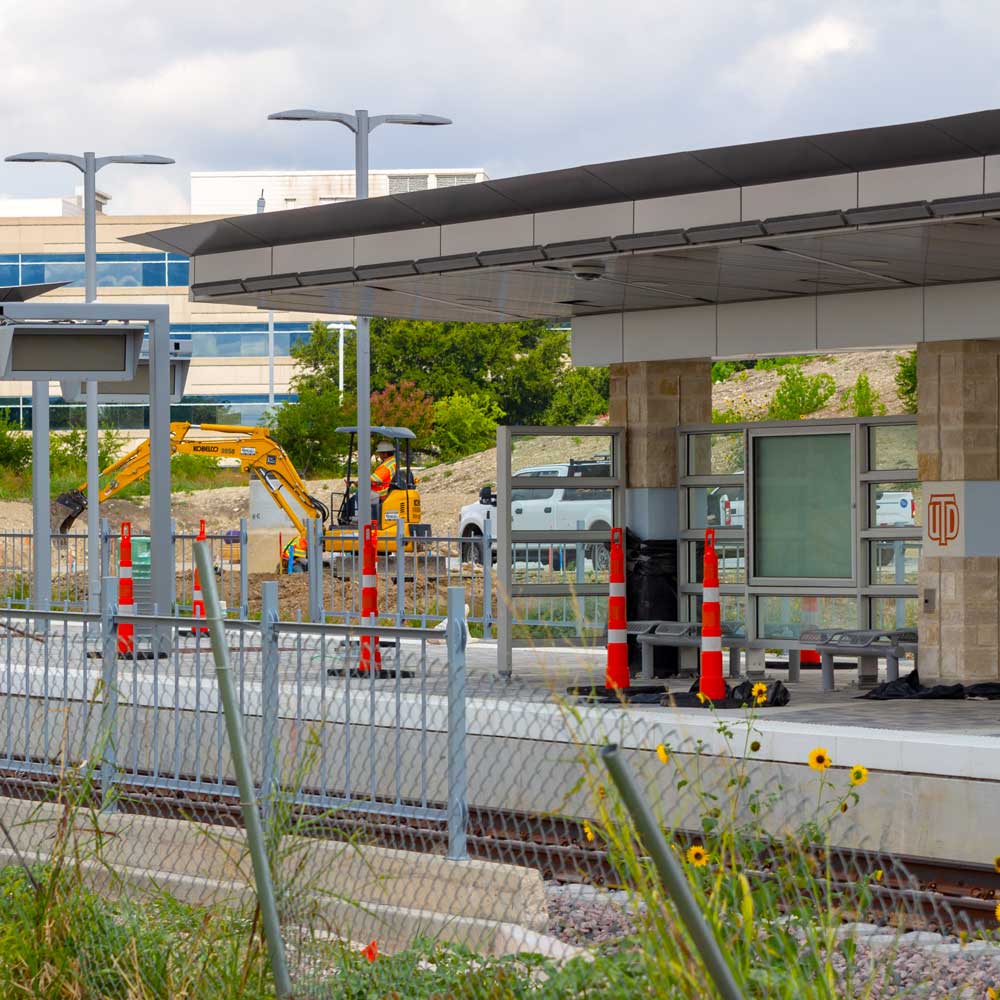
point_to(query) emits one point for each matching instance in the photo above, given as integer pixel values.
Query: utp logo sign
(943, 518)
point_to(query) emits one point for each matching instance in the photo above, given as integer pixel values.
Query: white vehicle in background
(535, 507)
(895, 509)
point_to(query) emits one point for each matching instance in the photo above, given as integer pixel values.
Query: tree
(906, 380)
(405, 406)
(306, 429)
(464, 425)
(582, 395)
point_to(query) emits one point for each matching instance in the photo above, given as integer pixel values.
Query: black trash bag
(739, 696)
(988, 689)
(910, 687)
(904, 687)
(943, 692)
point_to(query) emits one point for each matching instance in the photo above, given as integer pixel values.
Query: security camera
(589, 270)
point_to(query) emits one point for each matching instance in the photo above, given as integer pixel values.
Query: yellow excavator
(262, 457)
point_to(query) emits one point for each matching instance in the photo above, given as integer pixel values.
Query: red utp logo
(942, 518)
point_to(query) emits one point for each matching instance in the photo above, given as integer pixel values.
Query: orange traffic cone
(369, 597)
(198, 602)
(711, 685)
(616, 674)
(126, 605)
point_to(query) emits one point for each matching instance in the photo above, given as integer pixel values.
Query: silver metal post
(671, 874)
(458, 809)
(340, 362)
(505, 628)
(93, 465)
(363, 340)
(162, 578)
(400, 572)
(244, 576)
(314, 546)
(244, 778)
(109, 694)
(487, 576)
(579, 577)
(269, 691)
(270, 357)
(40, 495)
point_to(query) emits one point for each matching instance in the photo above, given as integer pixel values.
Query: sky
(530, 84)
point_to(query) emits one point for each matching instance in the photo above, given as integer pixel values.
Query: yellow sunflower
(991, 994)
(996, 864)
(698, 857)
(702, 698)
(759, 693)
(661, 752)
(859, 774)
(878, 874)
(996, 911)
(588, 831)
(819, 759)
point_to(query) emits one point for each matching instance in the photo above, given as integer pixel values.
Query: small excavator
(262, 457)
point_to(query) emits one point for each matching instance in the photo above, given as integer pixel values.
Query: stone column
(959, 465)
(650, 399)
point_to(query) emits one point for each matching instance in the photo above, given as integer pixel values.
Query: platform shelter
(873, 238)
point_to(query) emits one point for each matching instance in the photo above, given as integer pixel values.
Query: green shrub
(15, 448)
(740, 412)
(580, 395)
(799, 394)
(464, 424)
(906, 380)
(776, 364)
(724, 370)
(863, 400)
(404, 405)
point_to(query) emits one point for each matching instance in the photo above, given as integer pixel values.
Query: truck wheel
(472, 550)
(600, 554)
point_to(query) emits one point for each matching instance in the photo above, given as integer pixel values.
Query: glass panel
(895, 505)
(716, 507)
(63, 271)
(715, 455)
(894, 562)
(562, 455)
(32, 274)
(121, 275)
(9, 274)
(154, 275)
(894, 612)
(521, 495)
(803, 524)
(178, 273)
(732, 561)
(783, 617)
(893, 447)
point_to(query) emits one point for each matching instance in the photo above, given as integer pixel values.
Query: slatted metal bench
(869, 645)
(687, 637)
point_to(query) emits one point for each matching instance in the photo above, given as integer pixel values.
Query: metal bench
(687, 637)
(869, 645)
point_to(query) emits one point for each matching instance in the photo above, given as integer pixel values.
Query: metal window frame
(859, 586)
(506, 536)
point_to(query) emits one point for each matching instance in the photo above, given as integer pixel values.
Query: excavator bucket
(65, 509)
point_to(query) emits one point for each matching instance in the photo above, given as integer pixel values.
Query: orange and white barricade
(711, 685)
(616, 675)
(126, 602)
(369, 597)
(197, 601)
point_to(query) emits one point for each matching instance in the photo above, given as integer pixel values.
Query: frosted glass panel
(802, 505)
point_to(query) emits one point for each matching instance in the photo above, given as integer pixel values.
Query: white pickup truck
(534, 507)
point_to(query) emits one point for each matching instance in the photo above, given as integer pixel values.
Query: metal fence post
(671, 874)
(244, 778)
(487, 576)
(269, 690)
(109, 690)
(314, 568)
(105, 547)
(244, 576)
(400, 572)
(580, 601)
(458, 808)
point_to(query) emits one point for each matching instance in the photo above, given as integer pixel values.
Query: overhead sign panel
(133, 390)
(43, 352)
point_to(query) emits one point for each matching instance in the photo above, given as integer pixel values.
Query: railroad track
(913, 892)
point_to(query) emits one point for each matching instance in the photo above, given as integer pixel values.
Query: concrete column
(651, 399)
(959, 465)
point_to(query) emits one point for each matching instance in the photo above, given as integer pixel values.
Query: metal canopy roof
(21, 293)
(942, 139)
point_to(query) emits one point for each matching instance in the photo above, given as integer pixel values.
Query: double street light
(362, 125)
(88, 165)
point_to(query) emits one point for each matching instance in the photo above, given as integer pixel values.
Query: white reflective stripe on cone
(616, 589)
(126, 609)
(369, 580)
(124, 572)
(710, 595)
(711, 643)
(617, 635)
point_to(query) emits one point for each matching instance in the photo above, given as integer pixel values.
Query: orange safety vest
(296, 548)
(383, 476)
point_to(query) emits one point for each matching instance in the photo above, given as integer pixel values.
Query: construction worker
(294, 555)
(385, 471)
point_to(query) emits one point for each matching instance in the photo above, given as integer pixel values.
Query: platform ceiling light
(966, 204)
(578, 248)
(650, 241)
(729, 231)
(804, 223)
(331, 276)
(390, 269)
(36, 351)
(906, 211)
(271, 282)
(453, 262)
(232, 287)
(514, 255)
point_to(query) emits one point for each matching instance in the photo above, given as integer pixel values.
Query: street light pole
(88, 164)
(261, 205)
(362, 124)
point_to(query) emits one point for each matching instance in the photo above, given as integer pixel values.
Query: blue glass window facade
(144, 269)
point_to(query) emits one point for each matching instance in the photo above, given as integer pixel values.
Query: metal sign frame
(507, 590)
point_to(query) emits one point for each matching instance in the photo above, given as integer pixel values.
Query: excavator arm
(253, 447)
